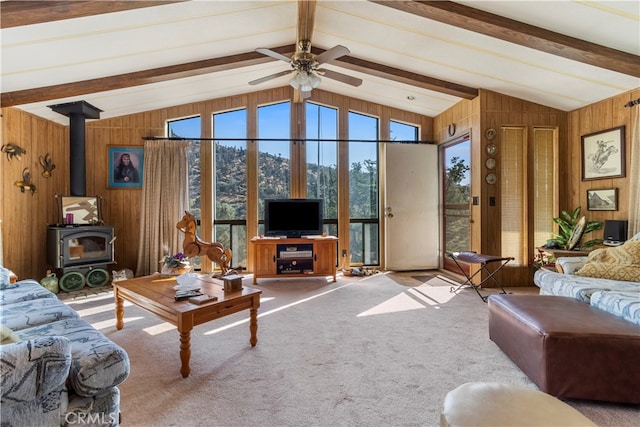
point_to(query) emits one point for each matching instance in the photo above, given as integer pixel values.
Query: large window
(190, 128)
(230, 222)
(403, 132)
(363, 190)
(322, 162)
(274, 155)
(269, 161)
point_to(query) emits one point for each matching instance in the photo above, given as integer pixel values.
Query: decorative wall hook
(13, 151)
(26, 184)
(47, 165)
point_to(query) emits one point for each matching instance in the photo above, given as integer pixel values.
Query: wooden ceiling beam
(306, 17)
(403, 76)
(506, 29)
(15, 13)
(137, 78)
(161, 74)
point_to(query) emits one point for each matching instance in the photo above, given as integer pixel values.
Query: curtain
(634, 173)
(165, 198)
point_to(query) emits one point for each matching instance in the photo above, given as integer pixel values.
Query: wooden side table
(557, 253)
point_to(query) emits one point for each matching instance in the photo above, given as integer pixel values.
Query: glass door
(456, 167)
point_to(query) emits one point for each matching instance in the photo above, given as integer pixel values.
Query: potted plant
(572, 227)
(174, 265)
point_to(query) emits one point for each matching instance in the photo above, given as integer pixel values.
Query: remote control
(182, 295)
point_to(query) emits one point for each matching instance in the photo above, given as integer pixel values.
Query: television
(293, 217)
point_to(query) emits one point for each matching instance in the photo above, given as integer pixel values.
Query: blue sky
(274, 122)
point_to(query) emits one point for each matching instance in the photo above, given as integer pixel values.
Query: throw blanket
(616, 263)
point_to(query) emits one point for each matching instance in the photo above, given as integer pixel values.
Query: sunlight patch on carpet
(111, 323)
(275, 310)
(435, 292)
(94, 310)
(423, 279)
(433, 295)
(160, 328)
(402, 302)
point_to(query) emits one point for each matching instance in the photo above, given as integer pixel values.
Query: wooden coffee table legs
(253, 326)
(185, 320)
(185, 352)
(119, 311)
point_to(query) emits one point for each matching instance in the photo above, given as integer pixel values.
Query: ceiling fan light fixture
(305, 81)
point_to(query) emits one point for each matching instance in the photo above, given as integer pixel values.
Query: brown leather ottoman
(568, 348)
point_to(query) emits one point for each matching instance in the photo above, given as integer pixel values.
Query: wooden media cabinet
(294, 257)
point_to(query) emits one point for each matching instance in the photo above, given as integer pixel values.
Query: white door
(411, 207)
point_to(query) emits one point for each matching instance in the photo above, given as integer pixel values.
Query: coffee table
(155, 294)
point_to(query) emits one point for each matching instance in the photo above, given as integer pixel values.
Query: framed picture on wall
(602, 200)
(125, 166)
(603, 154)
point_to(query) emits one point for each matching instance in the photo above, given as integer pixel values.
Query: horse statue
(195, 246)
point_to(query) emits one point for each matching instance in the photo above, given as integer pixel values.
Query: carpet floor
(381, 350)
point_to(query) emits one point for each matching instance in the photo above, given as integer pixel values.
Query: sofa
(607, 279)
(56, 369)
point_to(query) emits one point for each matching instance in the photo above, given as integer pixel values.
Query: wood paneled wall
(25, 217)
(597, 117)
(494, 110)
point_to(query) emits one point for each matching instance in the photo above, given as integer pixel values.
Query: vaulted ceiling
(423, 56)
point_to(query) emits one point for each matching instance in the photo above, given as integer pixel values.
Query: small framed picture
(602, 200)
(125, 166)
(603, 154)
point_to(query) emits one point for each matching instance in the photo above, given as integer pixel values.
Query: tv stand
(294, 257)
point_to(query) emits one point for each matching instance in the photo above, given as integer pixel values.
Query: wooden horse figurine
(195, 246)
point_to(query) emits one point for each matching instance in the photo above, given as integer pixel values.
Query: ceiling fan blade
(271, 53)
(331, 54)
(353, 81)
(269, 77)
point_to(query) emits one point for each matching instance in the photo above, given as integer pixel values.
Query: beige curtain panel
(165, 197)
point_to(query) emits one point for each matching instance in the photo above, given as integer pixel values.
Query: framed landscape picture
(125, 166)
(603, 154)
(602, 200)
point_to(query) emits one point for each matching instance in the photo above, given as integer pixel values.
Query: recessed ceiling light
(411, 97)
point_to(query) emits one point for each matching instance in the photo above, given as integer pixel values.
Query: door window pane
(457, 193)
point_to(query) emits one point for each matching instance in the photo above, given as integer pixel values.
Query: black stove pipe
(77, 112)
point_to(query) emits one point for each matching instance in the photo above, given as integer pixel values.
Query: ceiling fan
(305, 65)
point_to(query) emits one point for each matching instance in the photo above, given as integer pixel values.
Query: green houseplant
(572, 228)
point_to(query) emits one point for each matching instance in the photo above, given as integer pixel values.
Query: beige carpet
(381, 350)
